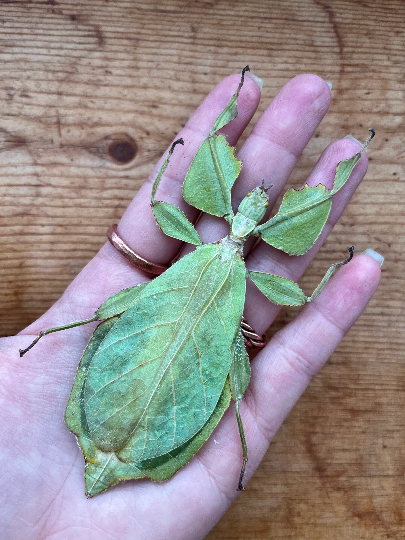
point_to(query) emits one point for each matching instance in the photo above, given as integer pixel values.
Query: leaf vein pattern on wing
(185, 339)
(101, 472)
(222, 322)
(148, 361)
(174, 405)
(161, 376)
(201, 376)
(165, 291)
(118, 410)
(139, 332)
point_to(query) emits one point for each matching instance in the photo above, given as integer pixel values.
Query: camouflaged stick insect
(162, 367)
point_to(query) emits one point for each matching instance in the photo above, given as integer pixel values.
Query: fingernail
(351, 138)
(329, 84)
(257, 79)
(374, 255)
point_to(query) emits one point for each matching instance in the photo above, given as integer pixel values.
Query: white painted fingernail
(351, 138)
(329, 84)
(257, 79)
(374, 255)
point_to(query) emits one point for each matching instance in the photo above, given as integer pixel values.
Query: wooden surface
(91, 94)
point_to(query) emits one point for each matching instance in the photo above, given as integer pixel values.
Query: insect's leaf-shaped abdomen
(158, 375)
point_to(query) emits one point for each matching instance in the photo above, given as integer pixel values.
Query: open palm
(42, 466)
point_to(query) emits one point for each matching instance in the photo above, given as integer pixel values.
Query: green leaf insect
(169, 355)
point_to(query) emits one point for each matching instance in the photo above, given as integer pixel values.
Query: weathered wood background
(92, 93)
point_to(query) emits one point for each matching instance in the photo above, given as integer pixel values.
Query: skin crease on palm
(42, 496)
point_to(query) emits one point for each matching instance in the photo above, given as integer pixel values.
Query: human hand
(42, 466)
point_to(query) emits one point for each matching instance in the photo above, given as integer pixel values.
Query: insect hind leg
(244, 446)
(56, 329)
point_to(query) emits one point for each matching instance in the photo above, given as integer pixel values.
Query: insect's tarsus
(247, 68)
(179, 141)
(242, 472)
(368, 140)
(242, 79)
(23, 351)
(350, 257)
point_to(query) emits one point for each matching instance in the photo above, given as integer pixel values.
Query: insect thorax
(250, 212)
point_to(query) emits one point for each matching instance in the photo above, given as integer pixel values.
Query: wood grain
(92, 93)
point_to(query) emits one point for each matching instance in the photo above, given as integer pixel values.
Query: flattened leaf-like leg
(303, 213)
(120, 302)
(215, 168)
(239, 377)
(283, 292)
(230, 112)
(170, 219)
(279, 290)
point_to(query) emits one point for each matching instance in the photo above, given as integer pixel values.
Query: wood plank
(76, 77)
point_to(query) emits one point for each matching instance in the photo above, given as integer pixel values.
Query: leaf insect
(162, 367)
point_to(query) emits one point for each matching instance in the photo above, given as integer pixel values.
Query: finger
(138, 225)
(259, 311)
(275, 144)
(284, 368)
(296, 353)
(109, 272)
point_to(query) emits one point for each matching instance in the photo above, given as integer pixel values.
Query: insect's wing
(104, 469)
(157, 376)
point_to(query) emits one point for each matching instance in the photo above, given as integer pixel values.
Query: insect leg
(239, 377)
(115, 305)
(56, 329)
(329, 274)
(244, 447)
